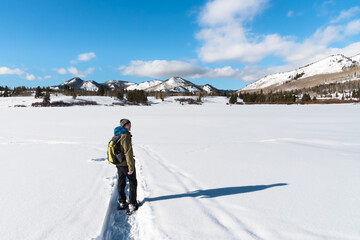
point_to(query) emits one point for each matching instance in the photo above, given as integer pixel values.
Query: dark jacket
(126, 148)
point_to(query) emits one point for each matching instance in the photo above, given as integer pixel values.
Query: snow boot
(122, 206)
(132, 208)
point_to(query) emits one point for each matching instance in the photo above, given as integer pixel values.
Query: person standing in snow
(126, 169)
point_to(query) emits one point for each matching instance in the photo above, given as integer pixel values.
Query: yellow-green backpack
(114, 154)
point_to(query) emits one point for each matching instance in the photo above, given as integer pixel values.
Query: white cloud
(346, 14)
(61, 71)
(6, 70)
(83, 57)
(353, 27)
(86, 56)
(74, 71)
(160, 69)
(47, 77)
(220, 12)
(224, 37)
(327, 35)
(30, 77)
(166, 69)
(17, 71)
(318, 46)
(230, 42)
(350, 50)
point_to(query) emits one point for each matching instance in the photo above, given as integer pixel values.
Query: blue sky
(227, 43)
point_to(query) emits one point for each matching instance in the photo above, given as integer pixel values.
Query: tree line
(17, 91)
(277, 97)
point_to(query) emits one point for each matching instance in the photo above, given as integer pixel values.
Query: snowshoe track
(118, 225)
(217, 213)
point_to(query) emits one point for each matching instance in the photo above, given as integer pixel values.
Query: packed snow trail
(116, 224)
(188, 206)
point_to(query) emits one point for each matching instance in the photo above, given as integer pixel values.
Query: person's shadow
(216, 192)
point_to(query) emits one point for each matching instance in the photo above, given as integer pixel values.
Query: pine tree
(233, 99)
(101, 91)
(199, 98)
(6, 92)
(120, 95)
(162, 96)
(46, 99)
(137, 96)
(306, 97)
(38, 92)
(66, 89)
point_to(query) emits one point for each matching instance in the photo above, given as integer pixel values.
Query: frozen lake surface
(205, 172)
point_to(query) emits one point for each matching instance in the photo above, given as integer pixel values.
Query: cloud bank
(9, 71)
(166, 69)
(74, 71)
(84, 57)
(19, 72)
(225, 38)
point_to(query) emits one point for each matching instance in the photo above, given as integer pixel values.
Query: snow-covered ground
(205, 172)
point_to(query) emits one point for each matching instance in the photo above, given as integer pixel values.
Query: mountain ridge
(333, 64)
(333, 69)
(173, 84)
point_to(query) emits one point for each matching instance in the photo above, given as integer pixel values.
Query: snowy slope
(79, 84)
(116, 84)
(144, 85)
(208, 88)
(356, 58)
(175, 84)
(331, 64)
(90, 86)
(210, 172)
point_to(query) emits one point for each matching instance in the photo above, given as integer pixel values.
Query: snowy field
(205, 172)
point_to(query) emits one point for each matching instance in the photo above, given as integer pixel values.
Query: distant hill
(78, 83)
(333, 69)
(174, 84)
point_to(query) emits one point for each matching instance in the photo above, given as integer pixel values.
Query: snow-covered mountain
(208, 88)
(332, 64)
(78, 83)
(356, 58)
(174, 84)
(144, 85)
(116, 84)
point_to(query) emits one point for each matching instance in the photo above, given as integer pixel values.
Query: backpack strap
(116, 139)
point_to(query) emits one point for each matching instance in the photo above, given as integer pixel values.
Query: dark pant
(122, 174)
